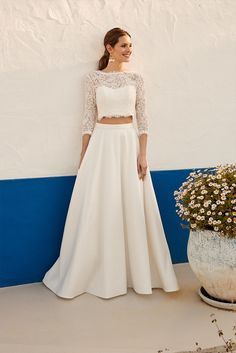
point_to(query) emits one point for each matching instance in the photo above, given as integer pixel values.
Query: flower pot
(212, 257)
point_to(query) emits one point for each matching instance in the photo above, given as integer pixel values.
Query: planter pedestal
(212, 258)
(221, 304)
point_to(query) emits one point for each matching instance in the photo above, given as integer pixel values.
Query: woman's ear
(109, 48)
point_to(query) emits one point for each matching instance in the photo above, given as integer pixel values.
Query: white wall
(185, 49)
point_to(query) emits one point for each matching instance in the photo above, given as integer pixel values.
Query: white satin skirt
(113, 235)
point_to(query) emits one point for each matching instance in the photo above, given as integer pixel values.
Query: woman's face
(122, 50)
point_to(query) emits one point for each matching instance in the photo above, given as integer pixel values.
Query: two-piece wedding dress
(113, 235)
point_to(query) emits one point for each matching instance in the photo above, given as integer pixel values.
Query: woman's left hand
(142, 166)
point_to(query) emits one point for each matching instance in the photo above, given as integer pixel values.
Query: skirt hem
(111, 295)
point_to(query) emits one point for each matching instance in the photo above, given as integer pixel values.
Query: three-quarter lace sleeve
(90, 107)
(140, 106)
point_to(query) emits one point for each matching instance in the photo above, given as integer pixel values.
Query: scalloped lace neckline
(114, 72)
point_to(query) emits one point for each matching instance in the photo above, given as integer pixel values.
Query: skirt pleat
(113, 235)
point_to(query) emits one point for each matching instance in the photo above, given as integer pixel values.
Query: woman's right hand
(142, 166)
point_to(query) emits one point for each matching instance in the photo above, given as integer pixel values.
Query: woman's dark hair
(111, 37)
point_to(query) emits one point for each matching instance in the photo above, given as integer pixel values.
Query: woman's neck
(114, 67)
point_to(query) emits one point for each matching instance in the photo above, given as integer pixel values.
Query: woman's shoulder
(103, 76)
(112, 73)
(114, 78)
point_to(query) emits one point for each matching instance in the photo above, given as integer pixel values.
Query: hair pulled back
(111, 37)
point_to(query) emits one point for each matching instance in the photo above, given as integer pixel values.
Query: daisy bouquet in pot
(207, 200)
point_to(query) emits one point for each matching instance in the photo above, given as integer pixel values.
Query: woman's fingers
(142, 170)
(139, 170)
(142, 166)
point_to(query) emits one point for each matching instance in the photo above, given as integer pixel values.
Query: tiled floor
(34, 320)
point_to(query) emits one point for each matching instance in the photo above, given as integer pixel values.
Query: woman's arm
(142, 159)
(142, 124)
(90, 114)
(143, 144)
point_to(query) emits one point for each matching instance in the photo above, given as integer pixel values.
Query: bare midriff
(116, 120)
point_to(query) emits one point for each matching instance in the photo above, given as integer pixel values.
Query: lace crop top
(113, 94)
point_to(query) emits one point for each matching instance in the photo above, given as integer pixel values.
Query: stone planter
(213, 260)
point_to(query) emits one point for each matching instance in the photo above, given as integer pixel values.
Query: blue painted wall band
(33, 213)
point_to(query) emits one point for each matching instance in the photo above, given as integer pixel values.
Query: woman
(113, 235)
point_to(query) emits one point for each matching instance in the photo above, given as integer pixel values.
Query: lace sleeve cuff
(90, 108)
(141, 117)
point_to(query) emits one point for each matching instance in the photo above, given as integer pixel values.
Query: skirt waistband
(114, 126)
